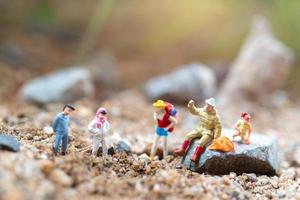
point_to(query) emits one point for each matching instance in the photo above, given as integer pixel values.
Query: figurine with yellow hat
(165, 117)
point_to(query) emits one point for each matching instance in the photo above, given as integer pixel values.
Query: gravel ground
(34, 173)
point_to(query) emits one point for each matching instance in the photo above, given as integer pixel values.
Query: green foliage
(285, 17)
(42, 14)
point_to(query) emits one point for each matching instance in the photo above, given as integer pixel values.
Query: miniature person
(243, 128)
(165, 116)
(99, 127)
(209, 128)
(60, 128)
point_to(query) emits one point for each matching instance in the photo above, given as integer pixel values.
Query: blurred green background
(146, 37)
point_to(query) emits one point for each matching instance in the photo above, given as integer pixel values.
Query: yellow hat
(159, 104)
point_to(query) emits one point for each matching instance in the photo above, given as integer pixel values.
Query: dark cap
(69, 106)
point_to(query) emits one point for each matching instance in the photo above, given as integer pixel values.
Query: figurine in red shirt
(165, 116)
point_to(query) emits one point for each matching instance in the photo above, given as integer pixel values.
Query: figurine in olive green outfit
(209, 128)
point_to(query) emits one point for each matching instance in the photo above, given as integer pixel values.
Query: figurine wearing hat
(99, 127)
(165, 116)
(208, 129)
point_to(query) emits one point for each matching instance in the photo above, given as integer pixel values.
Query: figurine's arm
(193, 109)
(55, 124)
(155, 116)
(106, 127)
(249, 132)
(173, 122)
(237, 127)
(218, 128)
(92, 128)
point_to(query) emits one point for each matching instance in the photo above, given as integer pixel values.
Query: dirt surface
(34, 173)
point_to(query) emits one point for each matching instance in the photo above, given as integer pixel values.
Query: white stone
(60, 86)
(192, 81)
(260, 69)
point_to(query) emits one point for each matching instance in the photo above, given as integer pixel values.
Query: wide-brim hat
(159, 104)
(211, 102)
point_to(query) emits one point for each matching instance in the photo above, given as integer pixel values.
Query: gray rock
(120, 146)
(61, 86)
(9, 143)
(259, 157)
(260, 69)
(193, 81)
(13, 55)
(123, 147)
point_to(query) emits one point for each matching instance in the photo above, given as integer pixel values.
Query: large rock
(9, 143)
(193, 81)
(260, 69)
(259, 157)
(61, 86)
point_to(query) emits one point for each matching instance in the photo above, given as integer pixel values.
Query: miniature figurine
(165, 116)
(243, 128)
(209, 128)
(99, 127)
(60, 128)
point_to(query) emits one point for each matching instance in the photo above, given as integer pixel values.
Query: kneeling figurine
(243, 128)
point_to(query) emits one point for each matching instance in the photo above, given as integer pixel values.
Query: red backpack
(170, 111)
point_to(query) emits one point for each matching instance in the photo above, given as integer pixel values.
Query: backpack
(170, 109)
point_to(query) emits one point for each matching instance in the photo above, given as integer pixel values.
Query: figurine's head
(101, 112)
(210, 104)
(159, 105)
(68, 109)
(246, 116)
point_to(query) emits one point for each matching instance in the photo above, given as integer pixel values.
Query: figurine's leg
(57, 141)
(236, 133)
(204, 140)
(104, 148)
(165, 146)
(193, 134)
(189, 137)
(154, 146)
(245, 139)
(96, 144)
(64, 144)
